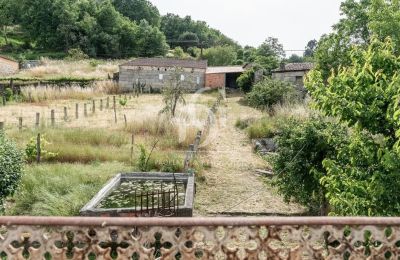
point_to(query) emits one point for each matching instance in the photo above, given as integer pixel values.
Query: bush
(10, 168)
(269, 92)
(302, 148)
(246, 80)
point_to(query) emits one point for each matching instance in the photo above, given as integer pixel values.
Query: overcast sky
(293, 22)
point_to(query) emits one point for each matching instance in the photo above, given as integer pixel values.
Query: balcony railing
(199, 238)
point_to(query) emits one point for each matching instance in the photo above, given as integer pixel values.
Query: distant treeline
(103, 28)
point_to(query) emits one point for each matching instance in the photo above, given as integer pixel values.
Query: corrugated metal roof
(304, 66)
(225, 69)
(167, 62)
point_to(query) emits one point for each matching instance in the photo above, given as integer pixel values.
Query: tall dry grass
(41, 94)
(84, 69)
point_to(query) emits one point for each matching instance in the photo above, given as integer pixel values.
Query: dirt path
(232, 186)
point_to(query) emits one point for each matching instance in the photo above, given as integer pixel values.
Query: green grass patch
(60, 189)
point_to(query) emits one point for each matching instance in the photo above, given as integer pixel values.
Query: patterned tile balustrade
(199, 238)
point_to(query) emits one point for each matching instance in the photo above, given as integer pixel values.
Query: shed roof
(303, 66)
(167, 62)
(225, 69)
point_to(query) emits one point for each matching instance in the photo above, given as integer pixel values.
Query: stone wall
(8, 67)
(215, 80)
(158, 77)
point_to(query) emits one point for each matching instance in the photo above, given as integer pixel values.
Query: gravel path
(232, 186)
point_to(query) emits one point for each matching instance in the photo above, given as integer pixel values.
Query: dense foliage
(364, 178)
(220, 55)
(105, 29)
(302, 146)
(10, 168)
(269, 92)
(177, 29)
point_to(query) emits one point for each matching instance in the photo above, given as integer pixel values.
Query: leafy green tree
(294, 58)
(220, 55)
(173, 26)
(6, 17)
(269, 54)
(310, 48)
(151, 41)
(364, 178)
(138, 10)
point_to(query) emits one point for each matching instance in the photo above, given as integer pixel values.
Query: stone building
(8, 66)
(293, 72)
(156, 72)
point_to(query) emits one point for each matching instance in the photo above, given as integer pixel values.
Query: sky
(250, 22)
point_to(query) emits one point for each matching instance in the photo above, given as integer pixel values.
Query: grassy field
(80, 154)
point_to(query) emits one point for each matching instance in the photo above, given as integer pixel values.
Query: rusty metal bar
(216, 221)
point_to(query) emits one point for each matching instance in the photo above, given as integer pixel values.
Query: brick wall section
(215, 80)
(8, 67)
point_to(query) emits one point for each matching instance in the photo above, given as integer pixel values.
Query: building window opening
(160, 76)
(182, 77)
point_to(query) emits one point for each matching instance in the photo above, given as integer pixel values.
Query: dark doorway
(230, 80)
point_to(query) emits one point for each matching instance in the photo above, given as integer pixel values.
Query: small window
(160, 76)
(198, 80)
(182, 77)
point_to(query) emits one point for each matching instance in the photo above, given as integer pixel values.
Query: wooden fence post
(20, 123)
(101, 104)
(108, 103)
(30, 97)
(53, 118)
(1, 125)
(85, 109)
(38, 150)
(132, 143)
(115, 110)
(37, 122)
(65, 114)
(189, 156)
(94, 106)
(76, 110)
(126, 122)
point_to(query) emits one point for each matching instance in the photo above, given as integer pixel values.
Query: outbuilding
(293, 72)
(224, 76)
(8, 66)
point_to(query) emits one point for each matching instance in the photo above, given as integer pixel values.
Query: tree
(269, 54)
(364, 177)
(138, 10)
(6, 17)
(220, 55)
(294, 58)
(310, 48)
(151, 41)
(174, 92)
(174, 26)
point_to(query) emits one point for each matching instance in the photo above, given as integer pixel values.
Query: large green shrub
(269, 92)
(302, 147)
(10, 168)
